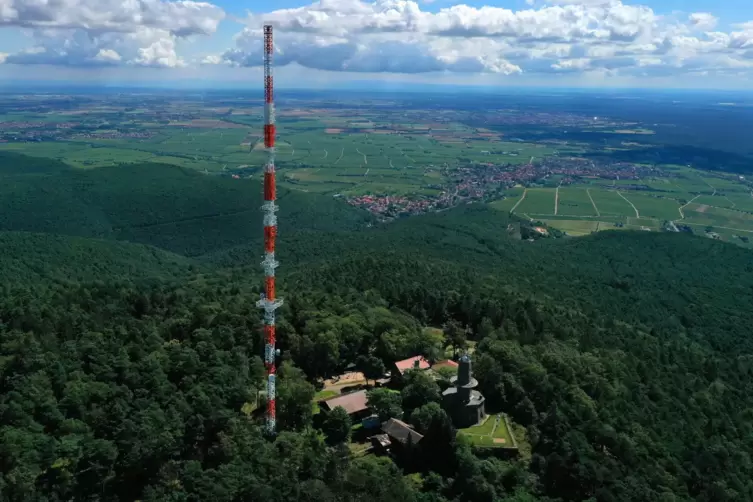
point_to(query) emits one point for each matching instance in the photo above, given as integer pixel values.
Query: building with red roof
(412, 363)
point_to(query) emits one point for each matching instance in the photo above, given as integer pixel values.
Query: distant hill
(31, 257)
(169, 207)
(15, 163)
(633, 276)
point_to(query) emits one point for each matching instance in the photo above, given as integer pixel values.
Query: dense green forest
(124, 366)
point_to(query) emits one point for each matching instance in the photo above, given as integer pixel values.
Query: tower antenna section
(269, 302)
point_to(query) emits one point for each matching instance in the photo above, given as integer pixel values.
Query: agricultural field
(609, 203)
(317, 150)
(575, 202)
(537, 201)
(512, 197)
(717, 206)
(395, 159)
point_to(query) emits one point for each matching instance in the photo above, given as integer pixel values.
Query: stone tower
(461, 401)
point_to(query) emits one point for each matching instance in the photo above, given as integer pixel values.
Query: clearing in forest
(493, 432)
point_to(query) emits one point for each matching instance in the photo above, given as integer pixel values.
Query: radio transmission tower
(269, 302)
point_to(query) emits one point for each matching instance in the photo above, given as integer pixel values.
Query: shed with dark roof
(355, 404)
(400, 432)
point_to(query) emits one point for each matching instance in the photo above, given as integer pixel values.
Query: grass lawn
(492, 432)
(324, 394)
(320, 396)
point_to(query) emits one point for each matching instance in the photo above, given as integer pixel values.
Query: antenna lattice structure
(269, 303)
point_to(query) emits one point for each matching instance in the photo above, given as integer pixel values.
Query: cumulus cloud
(382, 53)
(602, 36)
(107, 32)
(703, 21)
(181, 18)
(146, 47)
(598, 37)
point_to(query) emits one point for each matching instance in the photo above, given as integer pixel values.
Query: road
(557, 199)
(588, 191)
(637, 214)
(365, 161)
(525, 191)
(682, 215)
(717, 226)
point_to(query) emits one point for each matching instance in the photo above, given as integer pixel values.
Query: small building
(381, 443)
(401, 433)
(412, 363)
(416, 362)
(447, 363)
(355, 404)
(462, 402)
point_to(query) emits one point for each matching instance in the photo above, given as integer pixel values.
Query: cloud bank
(607, 37)
(107, 32)
(589, 37)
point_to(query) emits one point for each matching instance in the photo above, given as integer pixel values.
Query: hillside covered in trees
(127, 353)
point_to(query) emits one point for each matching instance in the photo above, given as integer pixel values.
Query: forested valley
(130, 343)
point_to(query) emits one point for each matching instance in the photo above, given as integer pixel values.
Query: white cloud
(387, 52)
(605, 36)
(146, 47)
(107, 55)
(600, 38)
(181, 18)
(703, 21)
(107, 32)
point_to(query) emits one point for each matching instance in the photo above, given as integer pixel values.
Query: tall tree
(457, 336)
(420, 389)
(386, 403)
(371, 366)
(294, 396)
(337, 426)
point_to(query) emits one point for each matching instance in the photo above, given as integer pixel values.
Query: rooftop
(352, 403)
(400, 431)
(447, 362)
(410, 363)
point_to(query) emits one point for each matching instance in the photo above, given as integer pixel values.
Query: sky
(330, 43)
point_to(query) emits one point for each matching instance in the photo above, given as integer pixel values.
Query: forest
(127, 354)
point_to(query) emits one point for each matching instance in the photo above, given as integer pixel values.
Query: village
(374, 407)
(487, 181)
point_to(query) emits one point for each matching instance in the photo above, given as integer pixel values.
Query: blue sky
(695, 43)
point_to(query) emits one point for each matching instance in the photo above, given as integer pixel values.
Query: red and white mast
(268, 301)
